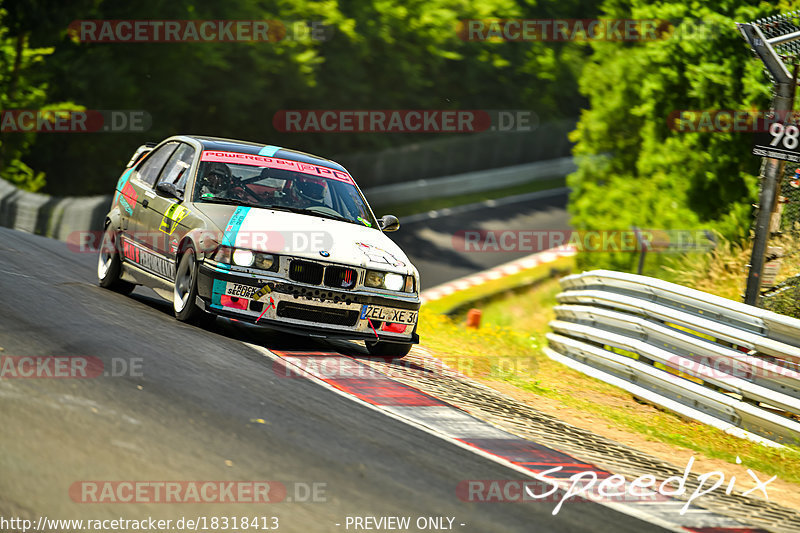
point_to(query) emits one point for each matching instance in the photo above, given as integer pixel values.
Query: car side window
(176, 171)
(151, 167)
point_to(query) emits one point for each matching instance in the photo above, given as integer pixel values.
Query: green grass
(508, 348)
(433, 204)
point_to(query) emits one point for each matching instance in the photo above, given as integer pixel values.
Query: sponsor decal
(234, 302)
(263, 291)
(175, 213)
(378, 255)
(240, 291)
(272, 162)
(148, 260)
(121, 182)
(128, 198)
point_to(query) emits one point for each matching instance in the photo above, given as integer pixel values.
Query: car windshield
(258, 183)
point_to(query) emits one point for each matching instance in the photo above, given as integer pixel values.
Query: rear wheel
(395, 350)
(109, 264)
(185, 292)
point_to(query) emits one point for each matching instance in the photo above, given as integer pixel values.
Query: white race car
(262, 234)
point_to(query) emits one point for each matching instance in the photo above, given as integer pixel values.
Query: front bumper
(299, 308)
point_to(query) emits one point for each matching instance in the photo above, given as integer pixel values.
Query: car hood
(306, 236)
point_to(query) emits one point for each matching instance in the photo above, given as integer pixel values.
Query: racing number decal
(175, 213)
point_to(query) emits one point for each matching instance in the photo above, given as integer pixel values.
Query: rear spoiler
(140, 152)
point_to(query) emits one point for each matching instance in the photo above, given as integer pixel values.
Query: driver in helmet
(309, 192)
(217, 181)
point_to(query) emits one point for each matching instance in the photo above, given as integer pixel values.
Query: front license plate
(387, 314)
(239, 290)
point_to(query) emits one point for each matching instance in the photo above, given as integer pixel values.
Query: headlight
(264, 261)
(243, 257)
(393, 282)
(374, 279)
(385, 280)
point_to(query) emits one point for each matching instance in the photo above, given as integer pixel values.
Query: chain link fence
(782, 293)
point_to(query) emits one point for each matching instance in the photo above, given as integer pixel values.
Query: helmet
(217, 177)
(310, 189)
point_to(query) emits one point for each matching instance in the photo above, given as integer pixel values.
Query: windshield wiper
(230, 201)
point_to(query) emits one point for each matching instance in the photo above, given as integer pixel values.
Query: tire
(109, 265)
(184, 294)
(395, 350)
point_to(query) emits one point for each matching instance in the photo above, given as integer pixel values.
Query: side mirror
(169, 189)
(389, 223)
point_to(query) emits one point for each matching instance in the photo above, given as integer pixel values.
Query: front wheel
(185, 292)
(395, 350)
(109, 265)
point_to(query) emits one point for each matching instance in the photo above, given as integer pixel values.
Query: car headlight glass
(243, 257)
(264, 261)
(393, 282)
(374, 279)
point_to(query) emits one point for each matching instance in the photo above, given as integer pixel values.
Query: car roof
(247, 147)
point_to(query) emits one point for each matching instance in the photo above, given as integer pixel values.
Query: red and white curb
(362, 384)
(507, 269)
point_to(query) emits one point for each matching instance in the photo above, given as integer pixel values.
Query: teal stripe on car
(121, 183)
(234, 225)
(217, 290)
(269, 150)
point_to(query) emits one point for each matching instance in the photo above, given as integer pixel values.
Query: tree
(642, 172)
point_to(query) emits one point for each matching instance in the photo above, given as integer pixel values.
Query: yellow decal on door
(175, 213)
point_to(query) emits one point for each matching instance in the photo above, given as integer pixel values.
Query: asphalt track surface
(202, 405)
(429, 242)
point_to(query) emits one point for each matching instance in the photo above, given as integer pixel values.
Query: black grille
(340, 277)
(306, 272)
(311, 313)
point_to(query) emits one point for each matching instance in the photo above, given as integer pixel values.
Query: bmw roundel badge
(324, 253)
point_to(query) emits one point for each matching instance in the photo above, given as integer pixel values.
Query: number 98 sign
(780, 141)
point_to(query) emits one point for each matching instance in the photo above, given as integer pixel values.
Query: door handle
(145, 203)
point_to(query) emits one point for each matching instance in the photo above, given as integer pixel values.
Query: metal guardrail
(705, 357)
